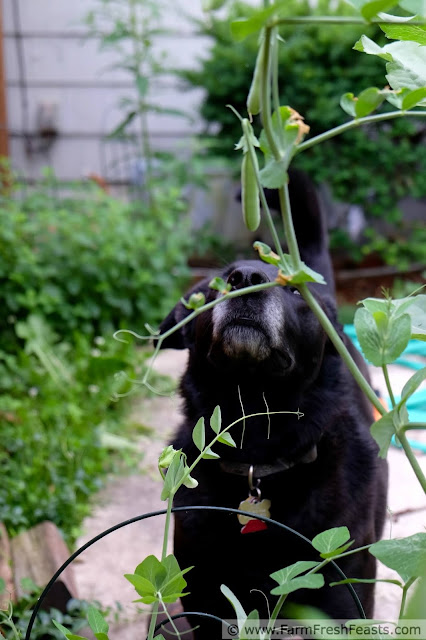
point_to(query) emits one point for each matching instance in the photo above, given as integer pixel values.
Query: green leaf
(249, 625)
(208, 454)
(2, 586)
(382, 431)
(406, 556)
(236, 604)
(219, 285)
(173, 583)
(120, 129)
(311, 581)
(174, 476)
(348, 102)
(226, 438)
(370, 629)
(68, 634)
(293, 570)
(366, 45)
(274, 174)
(417, 313)
(368, 101)
(195, 301)
(415, 6)
(338, 551)
(409, 32)
(306, 274)
(155, 580)
(145, 585)
(331, 539)
(412, 385)
(291, 133)
(96, 621)
(199, 434)
(406, 66)
(216, 419)
(243, 27)
(266, 254)
(371, 9)
(166, 456)
(382, 343)
(414, 98)
(415, 609)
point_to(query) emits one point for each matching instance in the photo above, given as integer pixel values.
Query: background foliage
(73, 268)
(374, 166)
(90, 262)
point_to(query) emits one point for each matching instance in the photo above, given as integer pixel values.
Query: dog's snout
(246, 276)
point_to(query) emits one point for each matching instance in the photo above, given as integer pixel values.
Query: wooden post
(6, 568)
(4, 141)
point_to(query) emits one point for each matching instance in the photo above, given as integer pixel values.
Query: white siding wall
(66, 69)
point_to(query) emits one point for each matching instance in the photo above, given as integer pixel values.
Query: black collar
(262, 470)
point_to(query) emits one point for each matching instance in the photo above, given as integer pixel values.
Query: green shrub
(56, 407)
(373, 166)
(89, 262)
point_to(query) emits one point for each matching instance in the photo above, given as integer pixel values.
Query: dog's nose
(246, 277)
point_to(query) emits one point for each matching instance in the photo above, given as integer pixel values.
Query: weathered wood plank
(37, 554)
(6, 566)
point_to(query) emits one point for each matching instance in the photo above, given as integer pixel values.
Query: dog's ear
(176, 340)
(183, 337)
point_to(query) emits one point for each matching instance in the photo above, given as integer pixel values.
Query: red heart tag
(254, 525)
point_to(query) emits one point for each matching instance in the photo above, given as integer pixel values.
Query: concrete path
(100, 570)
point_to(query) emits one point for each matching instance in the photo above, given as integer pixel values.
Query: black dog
(267, 352)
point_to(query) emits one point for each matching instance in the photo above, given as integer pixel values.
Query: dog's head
(272, 332)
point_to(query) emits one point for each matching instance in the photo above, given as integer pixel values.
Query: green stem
(341, 348)
(167, 526)
(413, 425)
(400, 434)
(275, 614)
(353, 124)
(340, 20)
(154, 613)
(138, 57)
(405, 588)
(275, 83)
(289, 232)
(153, 622)
(266, 96)
(388, 384)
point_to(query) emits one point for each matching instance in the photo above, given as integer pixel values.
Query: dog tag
(254, 506)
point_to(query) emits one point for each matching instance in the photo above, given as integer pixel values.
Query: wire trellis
(162, 512)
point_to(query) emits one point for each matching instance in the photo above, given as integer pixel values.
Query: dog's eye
(294, 290)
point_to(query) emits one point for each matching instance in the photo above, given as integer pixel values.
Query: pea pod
(249, 193)
(254, 97)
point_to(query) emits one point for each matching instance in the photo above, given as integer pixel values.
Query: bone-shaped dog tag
(254, 506)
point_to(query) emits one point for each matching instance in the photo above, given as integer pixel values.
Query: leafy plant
(15, 618)
(86, 262)
(320, 66)
(56, 416)
(128, 28)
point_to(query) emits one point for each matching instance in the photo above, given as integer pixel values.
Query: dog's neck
(263, 470)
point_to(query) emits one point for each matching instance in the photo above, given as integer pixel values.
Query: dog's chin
(247, 347)
(245, 342)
